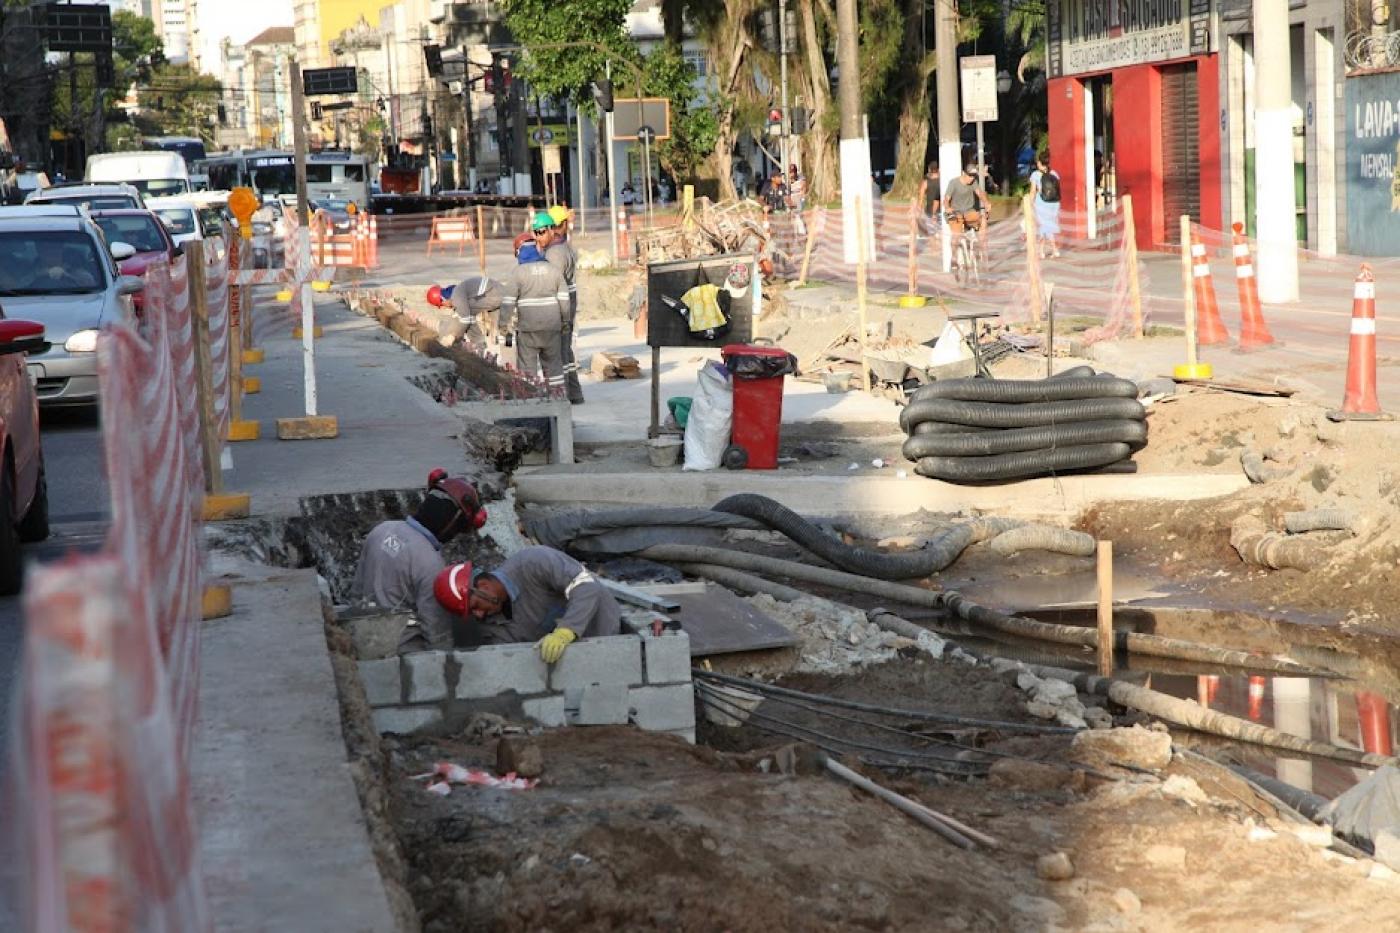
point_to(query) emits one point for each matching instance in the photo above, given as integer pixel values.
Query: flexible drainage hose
(1331, 519)
(1019, 465)
(940, 553)
(987, 443)
(955, 604)
(1261, 547)
(1043, 538)
(1019, 415)
(1020, 391)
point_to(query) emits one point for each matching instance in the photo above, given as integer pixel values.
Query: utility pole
(612, 169)
(855, 149)
(783, 51)
(1275, 204)
(945, 36)
(299, 143)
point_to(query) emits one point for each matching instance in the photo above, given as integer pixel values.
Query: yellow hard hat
(560, 214)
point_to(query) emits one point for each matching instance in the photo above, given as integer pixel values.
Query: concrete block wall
(639, 678)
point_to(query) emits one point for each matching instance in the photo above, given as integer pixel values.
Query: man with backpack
(1045, 183)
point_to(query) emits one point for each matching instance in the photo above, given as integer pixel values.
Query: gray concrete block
(613, 659)
(663, 709)
(547, 711)
(496, 669)
(401, 720)
(382, 681)
(425, 676)
(667, 658)
(598, 705)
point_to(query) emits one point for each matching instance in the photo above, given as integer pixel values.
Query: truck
(155, 172)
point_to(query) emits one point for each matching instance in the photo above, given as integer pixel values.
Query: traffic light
(799, 118)
(432, 54)
(316, 110)
(603, 94)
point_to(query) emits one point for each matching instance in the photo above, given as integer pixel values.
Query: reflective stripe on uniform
(583, 577)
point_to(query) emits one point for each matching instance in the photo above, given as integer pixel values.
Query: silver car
(56, 268)
(94, 196)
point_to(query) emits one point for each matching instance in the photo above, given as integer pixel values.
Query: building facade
(257, 91)
(1370, 58)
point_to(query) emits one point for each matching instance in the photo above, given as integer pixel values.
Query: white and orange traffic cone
(1374, 714)
(1254, 333)
(1360, 402)
(1256, 698)
(1207, 686)
(373, 242)
(1210, 329)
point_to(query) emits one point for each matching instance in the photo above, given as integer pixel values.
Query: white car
(180, 217)
(98, 197)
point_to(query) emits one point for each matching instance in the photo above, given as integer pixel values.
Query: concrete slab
(835, 495)
(390, 432)
(276, 854)
(620, 409)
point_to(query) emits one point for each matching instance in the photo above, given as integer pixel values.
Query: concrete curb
(836, 495)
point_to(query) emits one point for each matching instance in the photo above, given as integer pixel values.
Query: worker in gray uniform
(536, 291)
(401, 560)
(477, 301)
(561, 252)
(537, 594)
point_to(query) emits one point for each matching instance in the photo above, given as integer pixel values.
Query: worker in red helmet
(537, 594)
(401, 559)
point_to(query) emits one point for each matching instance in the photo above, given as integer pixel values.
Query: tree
(568, 42)
(179, 102)
(693, 125)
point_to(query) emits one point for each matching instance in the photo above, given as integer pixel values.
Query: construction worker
(400, 560)
(561, 254)
(537, 292)
(537, 594)
(477, 301)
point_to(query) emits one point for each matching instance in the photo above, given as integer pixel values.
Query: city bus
(190, 148)
(330, 174)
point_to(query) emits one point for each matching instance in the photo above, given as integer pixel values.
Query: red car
(146, 234)
(24, 492)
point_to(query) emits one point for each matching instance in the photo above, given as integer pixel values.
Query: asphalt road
(78, 513)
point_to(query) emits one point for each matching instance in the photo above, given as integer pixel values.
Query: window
(178, 220)
(318, 174)
(49, 262)
(354, 173)
(139, 230)
(700, 61)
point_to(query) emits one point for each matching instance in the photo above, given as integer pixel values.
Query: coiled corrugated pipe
(1258, 545)
(1332, 519)
(987, 443)
(1043, 538)
(1028, 463)
(938, 554)
(1018, 415)
(1018, 391)
(1259, 471)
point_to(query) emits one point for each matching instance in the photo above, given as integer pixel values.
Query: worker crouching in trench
(538, 594)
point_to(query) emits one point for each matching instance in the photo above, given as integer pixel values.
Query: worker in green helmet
(537, 297)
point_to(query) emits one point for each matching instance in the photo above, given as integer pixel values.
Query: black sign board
(78, 27)
(667, 283)
(316, 82)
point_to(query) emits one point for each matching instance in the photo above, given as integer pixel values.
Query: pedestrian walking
(562, 254)
(536, 295)
(1045, 183)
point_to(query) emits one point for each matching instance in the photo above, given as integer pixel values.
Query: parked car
(179, 217)
(57, 268)
(24, 489)
(268, 251)
(95, 197)
(337, 211)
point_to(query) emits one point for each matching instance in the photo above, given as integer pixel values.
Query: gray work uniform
(537, 292)
(563, 257)
(398, 564)
(477, 301)
(549, 589)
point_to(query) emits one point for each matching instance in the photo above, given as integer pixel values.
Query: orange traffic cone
(1360, 402)
(1209, 327)
(373, 242)
(1254, 333)
(1374, 714)
(1256, 698)
(1207, 686)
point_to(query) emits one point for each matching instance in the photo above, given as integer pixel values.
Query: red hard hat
(461, 492)
(435, 296)
(453, 588)
(521, 241)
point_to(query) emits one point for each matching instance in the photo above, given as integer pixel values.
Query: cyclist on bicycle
(965, 203)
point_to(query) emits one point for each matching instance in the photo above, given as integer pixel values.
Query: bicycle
(966, 266)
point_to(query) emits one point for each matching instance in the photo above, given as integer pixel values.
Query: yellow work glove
(552, 645)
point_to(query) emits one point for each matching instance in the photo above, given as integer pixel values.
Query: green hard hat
(541, 221)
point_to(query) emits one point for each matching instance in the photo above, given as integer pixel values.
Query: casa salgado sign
(1087, 36)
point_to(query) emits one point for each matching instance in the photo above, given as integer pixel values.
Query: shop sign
(1099, 35)
(1373, 165)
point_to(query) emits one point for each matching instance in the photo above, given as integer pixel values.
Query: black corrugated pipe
(1019, 391)
(987, 443)
(1018, 415)
(1023, 464)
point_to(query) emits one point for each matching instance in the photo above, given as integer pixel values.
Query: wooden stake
(1130, 247)
(913, 249)
(203, 367)
(860, 293)
(1105, 574)
(235, 338)
(1187, 291)
(1049, 329)
(807, 250)
(1032, 258)
(481, 239)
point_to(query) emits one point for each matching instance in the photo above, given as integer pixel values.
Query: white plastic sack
(711, 417)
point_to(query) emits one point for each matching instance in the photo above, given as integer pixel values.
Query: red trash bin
(758, 400)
